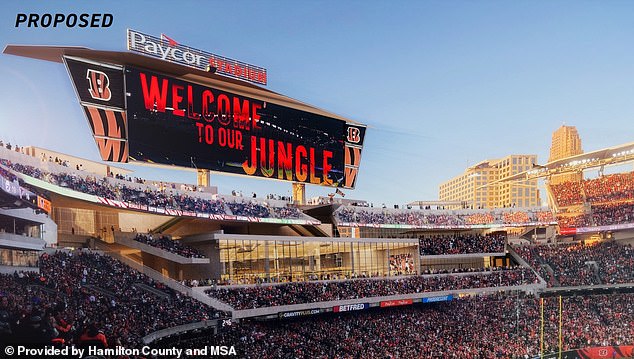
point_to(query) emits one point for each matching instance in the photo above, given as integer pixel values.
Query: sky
(442, 85)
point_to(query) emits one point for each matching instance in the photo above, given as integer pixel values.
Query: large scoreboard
(141, 115)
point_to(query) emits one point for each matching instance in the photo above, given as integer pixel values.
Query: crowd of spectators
(161, 198)
(249, 209)
(309, 292)
(85, 298)
(431, 269)
(579, 264)
(83, 295)
(461, 244)
(402, 264)
(573, 221)
(101, 187)
(16, 187)
(567, 193)
(516, 217)
(285, 212)
(608, 214)
(608, 188)
(600, 215)
(495, 326)
(255, 208)
(7, 175)
(167, 244)
(364, 216)
(10, 147)
(534, 261)
(479, 218)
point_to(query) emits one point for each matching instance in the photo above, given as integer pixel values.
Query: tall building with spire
(565, 143)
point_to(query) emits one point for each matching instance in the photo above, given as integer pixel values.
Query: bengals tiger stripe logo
(352, 160)
(99, 85)
(354, 135)
(109, 129)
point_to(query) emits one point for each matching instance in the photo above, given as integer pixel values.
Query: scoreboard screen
(175, 122)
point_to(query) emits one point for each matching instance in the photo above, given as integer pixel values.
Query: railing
(267, 311)
(595, 288)
(21, 242)
(127, 240)
(325, 281)
(180, 329)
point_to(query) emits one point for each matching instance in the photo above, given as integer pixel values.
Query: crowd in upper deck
(608, 188)
(364, 216)
(161, 198)
(600, 215)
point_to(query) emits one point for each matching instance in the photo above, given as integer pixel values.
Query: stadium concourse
(418, 284)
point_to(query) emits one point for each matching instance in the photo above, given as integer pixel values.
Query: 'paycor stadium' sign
(167, 49)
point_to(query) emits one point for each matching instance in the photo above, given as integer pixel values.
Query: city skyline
(441, 87)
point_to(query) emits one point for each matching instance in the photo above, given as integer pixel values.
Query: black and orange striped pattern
(109, 128)
(352, 160)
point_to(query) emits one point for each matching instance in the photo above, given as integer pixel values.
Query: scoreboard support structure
(299, 193)
(203, 178)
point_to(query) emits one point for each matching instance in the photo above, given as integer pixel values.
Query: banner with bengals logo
(609, 352)
(355, 134)
(101, 93)
(352, 156)
(606, 352)
(97, 84)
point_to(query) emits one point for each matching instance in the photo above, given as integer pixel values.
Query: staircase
(100, 290)
(44, 289)
(594, 266)
(308, 230)
(153, 291)
(74, 240)
(550, 271)
(111, 250)
(168, 224)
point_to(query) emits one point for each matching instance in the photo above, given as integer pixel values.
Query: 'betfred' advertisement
(350, 307)
(180, 123)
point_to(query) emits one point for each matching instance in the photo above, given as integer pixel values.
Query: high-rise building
(474, 187)
(565, 143)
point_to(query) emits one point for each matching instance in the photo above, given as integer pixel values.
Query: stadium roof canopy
(56, 53)
(600, 158)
